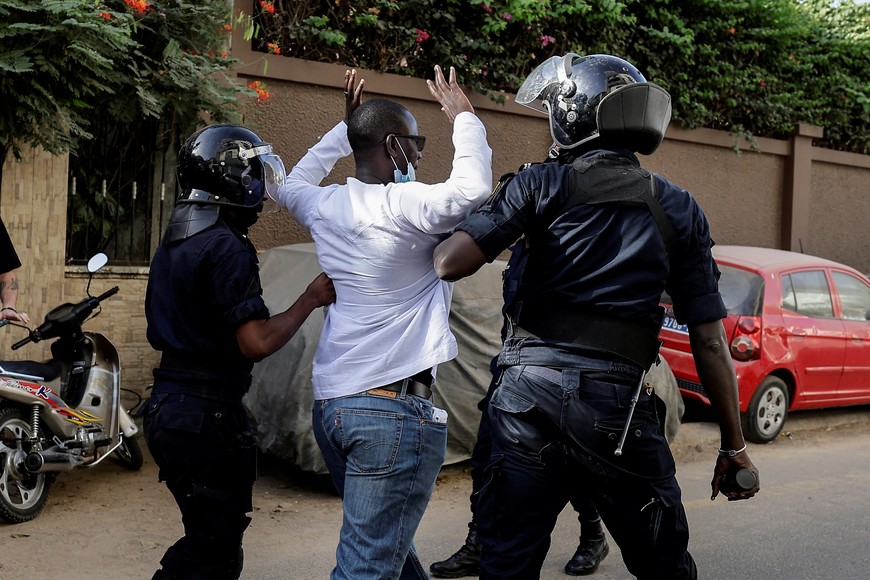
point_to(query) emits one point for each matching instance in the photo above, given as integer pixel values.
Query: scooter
(64, 413)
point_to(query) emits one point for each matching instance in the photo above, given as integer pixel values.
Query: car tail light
(744, 343)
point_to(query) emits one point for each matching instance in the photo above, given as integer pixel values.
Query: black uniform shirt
(200, 290)
(8, 257)
(608, 260)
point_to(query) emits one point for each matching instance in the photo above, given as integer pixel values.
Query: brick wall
(33, 205)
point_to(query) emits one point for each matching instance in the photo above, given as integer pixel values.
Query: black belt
(630, 340)
(233, 396)
(204, 368)
(416, 385)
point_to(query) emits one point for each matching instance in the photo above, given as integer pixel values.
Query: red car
(798, 328)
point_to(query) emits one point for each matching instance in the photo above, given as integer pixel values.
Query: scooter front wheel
(129, 454)
(22, 494)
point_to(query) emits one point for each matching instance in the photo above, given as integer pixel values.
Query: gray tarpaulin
(281, 397)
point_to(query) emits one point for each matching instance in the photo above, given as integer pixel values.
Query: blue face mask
(398, 176)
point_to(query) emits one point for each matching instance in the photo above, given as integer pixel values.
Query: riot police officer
(206, 315)
(600, 238)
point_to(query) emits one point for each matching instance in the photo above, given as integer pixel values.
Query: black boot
(465, 562)
(588, 556)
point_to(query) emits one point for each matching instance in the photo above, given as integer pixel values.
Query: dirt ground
(108, 523)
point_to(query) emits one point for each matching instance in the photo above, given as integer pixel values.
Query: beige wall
(783, 190)
(840, 215)
(741, 189)
(725, 184)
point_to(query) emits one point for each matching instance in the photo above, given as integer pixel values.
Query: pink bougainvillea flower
(487, 9)
(762, 84)
(422, 36)
(507, 15)
(545, 40)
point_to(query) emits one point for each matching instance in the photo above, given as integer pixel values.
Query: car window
(742, 291)
(854, 296)
(808, 294)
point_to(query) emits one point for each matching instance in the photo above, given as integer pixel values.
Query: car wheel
(767, 411)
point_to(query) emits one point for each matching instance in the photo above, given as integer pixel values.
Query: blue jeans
(384, 455)
(554, 433)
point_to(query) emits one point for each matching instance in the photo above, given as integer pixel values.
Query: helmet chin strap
(241, 218)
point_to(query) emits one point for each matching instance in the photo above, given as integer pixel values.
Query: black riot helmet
(230, 165)
(598, 97)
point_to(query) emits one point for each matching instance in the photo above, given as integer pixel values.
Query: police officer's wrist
(731, 452)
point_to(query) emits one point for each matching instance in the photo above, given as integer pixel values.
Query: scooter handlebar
(63, 316)
(22, 342)
(108, 293)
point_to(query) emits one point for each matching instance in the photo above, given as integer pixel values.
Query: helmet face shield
(273, 167)
(273, 174)
(553, 71)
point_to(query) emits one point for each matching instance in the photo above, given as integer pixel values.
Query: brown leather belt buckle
(383, 393)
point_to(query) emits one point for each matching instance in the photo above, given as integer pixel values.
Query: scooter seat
(47, 371)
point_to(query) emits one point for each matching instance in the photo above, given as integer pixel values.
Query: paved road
(810, 521)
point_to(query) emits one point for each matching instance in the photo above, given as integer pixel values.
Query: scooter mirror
(97, 262)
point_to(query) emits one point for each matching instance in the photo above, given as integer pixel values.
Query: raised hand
(352, 93)
(449, 94)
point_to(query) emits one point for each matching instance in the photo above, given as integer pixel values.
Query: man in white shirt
(382, 439)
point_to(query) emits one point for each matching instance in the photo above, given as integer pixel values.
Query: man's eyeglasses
(419, 140)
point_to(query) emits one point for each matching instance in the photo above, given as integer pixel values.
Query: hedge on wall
(752, 67)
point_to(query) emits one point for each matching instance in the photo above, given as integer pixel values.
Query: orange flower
(140, 6)
(105, 16)
(274, 48)
(228, 27)
(267, 7)
(260, 88)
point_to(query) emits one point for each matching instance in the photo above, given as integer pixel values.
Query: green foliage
(44, 46)
(66, 63)
(117, 83)
(752, 67)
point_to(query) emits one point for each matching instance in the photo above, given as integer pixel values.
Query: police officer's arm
(457, 257)
(260, 338)
(716, 372)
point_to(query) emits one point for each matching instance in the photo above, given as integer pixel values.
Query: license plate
(671, 323)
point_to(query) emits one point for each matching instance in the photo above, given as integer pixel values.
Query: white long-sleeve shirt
(376, 243)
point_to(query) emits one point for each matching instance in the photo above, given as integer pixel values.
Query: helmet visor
(552, 71)
(273, 174)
